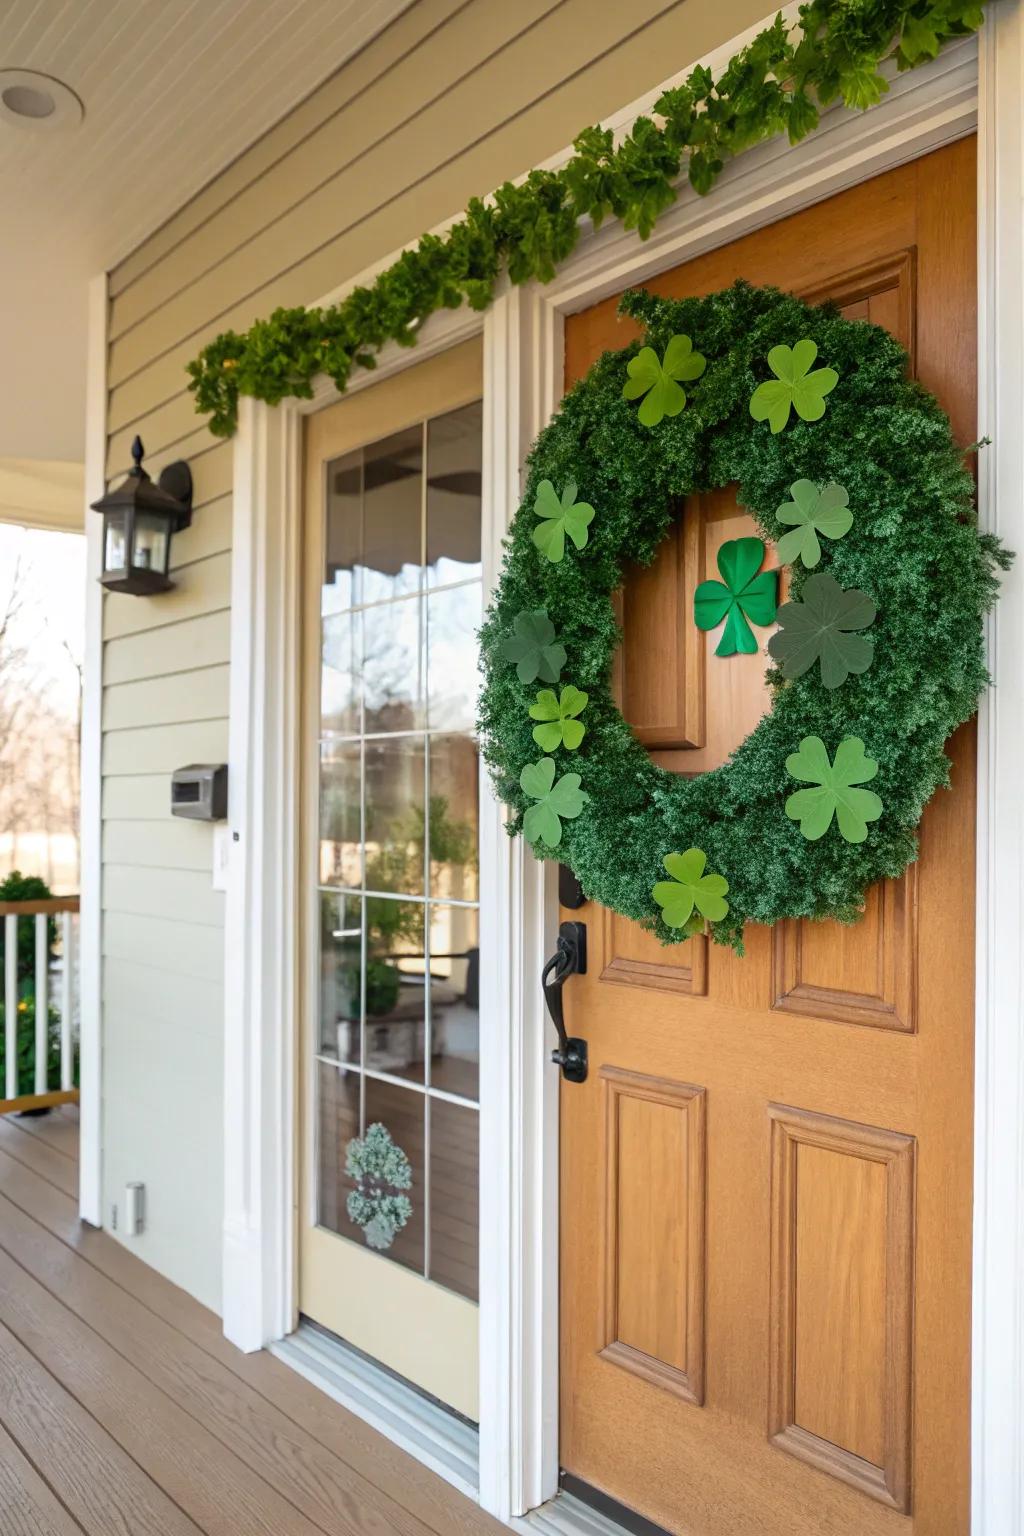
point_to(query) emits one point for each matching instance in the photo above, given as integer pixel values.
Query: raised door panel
(841, 1298)
(634, 957)
(653, 1248)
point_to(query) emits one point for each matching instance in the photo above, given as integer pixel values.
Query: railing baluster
(67, 1061)
(42, 1001)
(11, 1005)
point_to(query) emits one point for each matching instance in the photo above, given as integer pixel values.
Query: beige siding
(453, 98)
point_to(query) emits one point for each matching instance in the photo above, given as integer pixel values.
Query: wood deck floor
(125, 1412)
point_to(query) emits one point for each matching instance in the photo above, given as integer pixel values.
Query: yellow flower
(23, 1006)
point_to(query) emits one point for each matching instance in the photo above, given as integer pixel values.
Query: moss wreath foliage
(914, 547)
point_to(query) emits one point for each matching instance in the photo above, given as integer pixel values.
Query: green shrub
(27, 1048)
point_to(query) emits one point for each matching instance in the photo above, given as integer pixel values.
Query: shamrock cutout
(542, 822)
(564, 730)
(745, 592)
(659, 381)
(793, 386)
(567, 516)
(534, 648)
(818, 629)
(813, 510)
(834, 794)
(691, 895)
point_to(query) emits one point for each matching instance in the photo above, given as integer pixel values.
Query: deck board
(127, 1366)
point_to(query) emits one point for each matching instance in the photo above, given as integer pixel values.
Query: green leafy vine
(779, 83)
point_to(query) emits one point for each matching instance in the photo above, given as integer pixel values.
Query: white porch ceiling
(173, 90)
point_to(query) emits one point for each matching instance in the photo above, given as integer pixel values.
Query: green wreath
(851, 468)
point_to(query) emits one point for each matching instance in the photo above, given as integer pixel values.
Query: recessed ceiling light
(31, 100)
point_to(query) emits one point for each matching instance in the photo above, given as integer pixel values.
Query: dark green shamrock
(561, 517)
(534, 648)
(543, 821)
(659, 381)
(691, 895)
(793, 387)
(561, 728)
(745, 592)
(833, 794)
(818, 629)
(813, 510)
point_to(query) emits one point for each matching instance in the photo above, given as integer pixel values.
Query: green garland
(904, 560)
(777, 84)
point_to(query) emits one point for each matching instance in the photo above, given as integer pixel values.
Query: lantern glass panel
(152, 542)
(115, 542)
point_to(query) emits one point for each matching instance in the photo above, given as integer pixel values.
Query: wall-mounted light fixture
(139, 519)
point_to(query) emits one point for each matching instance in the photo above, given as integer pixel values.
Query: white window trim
(519, 1092)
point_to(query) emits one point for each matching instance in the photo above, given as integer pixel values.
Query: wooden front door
(766, 1179)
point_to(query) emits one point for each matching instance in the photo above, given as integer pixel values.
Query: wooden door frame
(978, 84)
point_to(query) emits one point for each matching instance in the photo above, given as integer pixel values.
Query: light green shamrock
(534, 648)
(745, 592)
(793, 386)
(691, 895)
(833, 794)
(543, 821)
(814, 510)
(561, 517)
(659, 382)
(561, 729)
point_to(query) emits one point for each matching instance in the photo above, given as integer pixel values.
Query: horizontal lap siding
(451, 99)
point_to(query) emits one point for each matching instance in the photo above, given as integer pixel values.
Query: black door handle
(569, 959)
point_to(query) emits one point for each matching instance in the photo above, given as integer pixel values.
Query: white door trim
(522, 380)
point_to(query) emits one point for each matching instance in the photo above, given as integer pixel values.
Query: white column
(42, 1002)
(11, 1006)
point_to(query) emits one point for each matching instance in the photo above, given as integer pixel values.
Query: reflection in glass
(393, 666)
(337, 1123)
(454, 1199)
(343, 533)
(150, 552)
(453, 618)
(395, 831)
(454, 817)
(115, 549)
(341, 837)
(455, 1000)
(395, 987)
(454, 464)
(339, 674)
(392, 556)
(341, 960)
(401, 1111)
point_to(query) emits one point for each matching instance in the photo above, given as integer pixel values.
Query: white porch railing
(40, 1005)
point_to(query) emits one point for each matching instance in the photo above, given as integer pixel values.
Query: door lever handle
(569, 959)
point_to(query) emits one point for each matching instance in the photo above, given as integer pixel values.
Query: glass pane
(395, 829)
(341, 959)
(337, 1123)
(453, 618)
(395, 987)
(114, 542)
(454, 1200)
(454, 817)
(152, 545)
(392, 559)
(343, 533)
(393, 685)
(400, 1111)
(339, 674)
(341, 849)
(455, 1000)
(454, 463)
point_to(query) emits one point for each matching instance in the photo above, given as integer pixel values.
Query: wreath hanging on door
(851, 470)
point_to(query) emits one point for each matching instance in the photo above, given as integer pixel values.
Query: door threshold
(566, 1515)
(442, 1441)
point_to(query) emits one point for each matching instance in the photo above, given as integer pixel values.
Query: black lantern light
(138, 521)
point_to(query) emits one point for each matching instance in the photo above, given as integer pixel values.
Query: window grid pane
(398, 772)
